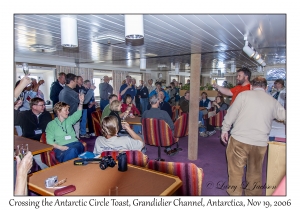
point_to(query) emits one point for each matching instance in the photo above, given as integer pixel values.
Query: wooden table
(90, 180)
(34, 146)
(134, 121)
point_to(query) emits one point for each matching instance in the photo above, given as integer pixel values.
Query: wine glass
(25, 68)
(22, 150)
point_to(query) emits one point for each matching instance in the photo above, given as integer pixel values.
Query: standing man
(83, 89)
(127, 88)
(243, 78)
(150, 86)
(280, 94)
(56, 87)
(91, 108)
(143, 95)
(70, 97)
(156, 91)
(136, 100)
(105, 90)
(251, 114)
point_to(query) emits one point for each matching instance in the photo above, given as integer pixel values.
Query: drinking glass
(113, 191)
(25, 68)
(81, 91)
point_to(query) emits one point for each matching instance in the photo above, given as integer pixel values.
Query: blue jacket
(167, 97)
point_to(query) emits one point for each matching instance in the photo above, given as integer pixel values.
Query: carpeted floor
(211, 158)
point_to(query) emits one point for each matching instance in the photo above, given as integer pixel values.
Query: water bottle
(122, 161)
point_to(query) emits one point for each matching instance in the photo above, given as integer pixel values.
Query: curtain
(118, 77)
(231, 79)
(85, 73)
(146, 77)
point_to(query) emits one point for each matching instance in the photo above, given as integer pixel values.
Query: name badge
(67, 137)
(38, 131)
(131, 89)
(108, 93)
(144, 93)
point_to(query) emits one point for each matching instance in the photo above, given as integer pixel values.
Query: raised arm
(223, 90)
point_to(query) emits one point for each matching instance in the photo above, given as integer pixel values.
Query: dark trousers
(89, 118)
(238, 156)
(75, 149)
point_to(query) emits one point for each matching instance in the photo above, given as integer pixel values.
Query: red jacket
(134, 110)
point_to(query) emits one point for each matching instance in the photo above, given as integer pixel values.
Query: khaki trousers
(240, 155)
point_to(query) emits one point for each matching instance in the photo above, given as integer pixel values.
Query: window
(98, 78)
(174, 77)
(220, 81)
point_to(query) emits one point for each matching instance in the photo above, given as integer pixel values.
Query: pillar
(194, 107)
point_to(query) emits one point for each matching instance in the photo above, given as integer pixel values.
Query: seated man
(60, 132)
(110, 141)
(163, 105)
(33, 122)
(184, 105)
(156, 113)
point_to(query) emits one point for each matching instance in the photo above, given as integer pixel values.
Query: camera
(107, 161)
(50, 182)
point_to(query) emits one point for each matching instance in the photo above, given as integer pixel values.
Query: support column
(194, 107)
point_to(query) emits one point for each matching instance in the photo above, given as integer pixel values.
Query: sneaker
(210, 133)
(171, 152)
(203, 134)
(92, 134)
(84, 136)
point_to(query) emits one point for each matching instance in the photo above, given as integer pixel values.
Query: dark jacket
(143, 92)
(163, 106)
(158, 114)
(54, 92)
(29, 123)
(184, 104)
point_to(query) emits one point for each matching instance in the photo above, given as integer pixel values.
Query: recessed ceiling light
(42, 48)
(150, 54)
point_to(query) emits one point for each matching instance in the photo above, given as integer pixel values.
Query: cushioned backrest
(190, 175)
(181, 126)
(96, 117)
(134, 157)
(48, 157)
(173, 113)
(157, 132)
(217, 119)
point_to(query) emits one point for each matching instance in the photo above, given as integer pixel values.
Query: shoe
(203, 134)
(92, 134)
(84, 136)
(210, 133)
(200, 125)
(171, 152)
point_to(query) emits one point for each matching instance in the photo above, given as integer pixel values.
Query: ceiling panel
(172, 37)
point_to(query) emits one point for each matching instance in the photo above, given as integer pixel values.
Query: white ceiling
(172, 38)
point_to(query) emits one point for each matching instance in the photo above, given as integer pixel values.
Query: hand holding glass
(25, 68)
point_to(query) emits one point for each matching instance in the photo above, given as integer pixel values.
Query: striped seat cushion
(157, 133)
(181, 126)
(190, 175)
(217, 120)
(134, 157)
(96, 117)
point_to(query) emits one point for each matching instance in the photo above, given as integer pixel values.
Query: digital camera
(50, 182)
(107, 161)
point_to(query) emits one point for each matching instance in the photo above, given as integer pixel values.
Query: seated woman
(128, 103)
(111, 142)
(60, 132)
(219, 105)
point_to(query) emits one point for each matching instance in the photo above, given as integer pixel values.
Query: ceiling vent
(109, 38)
(42, 48)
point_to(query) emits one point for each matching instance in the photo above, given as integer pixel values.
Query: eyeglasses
(39, 104)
